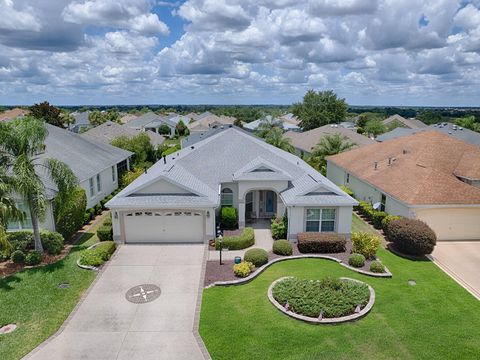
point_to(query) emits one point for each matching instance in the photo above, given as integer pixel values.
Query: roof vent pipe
(375, 165)
(164, 159)
(404, 151)
(389, 161)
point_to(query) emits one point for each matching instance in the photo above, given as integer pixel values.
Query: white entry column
(241, 213)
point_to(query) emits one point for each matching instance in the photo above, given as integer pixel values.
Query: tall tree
(319, 108)
(8, 208)
(267, 124)
(96, 118)
(468, 122)
(22, 141)
(327, 146)
(51, 114)
(375, 127)
(275, 137)
(140, 145)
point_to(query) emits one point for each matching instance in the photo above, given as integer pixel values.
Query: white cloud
(17, 19)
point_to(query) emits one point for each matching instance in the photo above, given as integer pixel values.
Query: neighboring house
(12, 114)
(402, 122)
(306, 141)
(153, 122)
(178, 198)
(81, 121)
(450, 129)
(96, 165)
(126, 118)
(207, 120)
(109, 131)
(286, 125)
(196, 136)
(290, 118)
(429, 176)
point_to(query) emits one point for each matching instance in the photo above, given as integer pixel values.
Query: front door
(269, 202)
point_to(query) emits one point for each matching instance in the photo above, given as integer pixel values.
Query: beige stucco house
(177, 200)
(428, 175)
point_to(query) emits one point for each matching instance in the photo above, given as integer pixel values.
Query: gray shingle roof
(86, 157)
(143, 120)
(214, 161)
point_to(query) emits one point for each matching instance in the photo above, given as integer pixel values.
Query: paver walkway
(460, 260)
(107, 326)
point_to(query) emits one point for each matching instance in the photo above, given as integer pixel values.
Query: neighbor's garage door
(164, 226)
(452, 223)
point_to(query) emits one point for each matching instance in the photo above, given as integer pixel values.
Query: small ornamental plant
(243, 269)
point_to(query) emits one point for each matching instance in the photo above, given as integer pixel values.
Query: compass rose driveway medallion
(142, 294)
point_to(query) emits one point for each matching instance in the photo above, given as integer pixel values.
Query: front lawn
(436, 319)
(32, 300)
(360, 225)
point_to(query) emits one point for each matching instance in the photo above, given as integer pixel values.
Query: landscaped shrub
(243, 269)
(4, 255)
(347, 190)
(356, 260)
(98, 255)
(331, 297)
(279, 228)
(18, 257)
(33, 258)
(377, 218)
(70, 216)
(130, 176)
(21, 240)
(411, 236)
(242, 241)
(311, 242)
(52, 242)
(171, 150)
(228, 218)
(257, 257)
(377, 267)
(386, 220)
(87, 217)
(365, 244)
(105, 233)
(282, 247)
(107, 221)
(98, 209)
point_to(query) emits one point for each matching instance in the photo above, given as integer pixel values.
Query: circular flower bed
(329, 300)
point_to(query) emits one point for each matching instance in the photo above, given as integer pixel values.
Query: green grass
(33, 301)
(360, 225)
(172, 142)
(436, 319)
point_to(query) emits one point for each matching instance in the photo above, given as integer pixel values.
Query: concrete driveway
(460, 260)
(107, 326)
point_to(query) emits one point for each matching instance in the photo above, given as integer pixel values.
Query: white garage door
(164, 226)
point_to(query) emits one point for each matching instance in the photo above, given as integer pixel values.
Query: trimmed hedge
(52, 242)
(410, 236)
(282, 247)
(279, 228)
(70, 217)
(347, 190)
(386, 220)
(33, 258)
(242, 241)
(257, 257)
(311, 242)
(105, 233)
(377, 267)
(365, 244)
(18, 257)
(98, 255)
(377, 218)
(23, 240)
(228, 218)
(243, 269)
(356, 260)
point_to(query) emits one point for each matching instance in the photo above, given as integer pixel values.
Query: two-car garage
(164, 226)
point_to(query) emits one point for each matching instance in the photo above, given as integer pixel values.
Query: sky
(112, 52)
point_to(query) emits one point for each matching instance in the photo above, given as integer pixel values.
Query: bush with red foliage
(311, 242)
(410, 236)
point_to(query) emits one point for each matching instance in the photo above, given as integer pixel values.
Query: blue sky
(372, 52)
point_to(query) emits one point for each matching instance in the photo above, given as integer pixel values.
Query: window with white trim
(99, 183)
(320, 220)
(92, 187)
(27, 221)
(226, 197)
(114, 177)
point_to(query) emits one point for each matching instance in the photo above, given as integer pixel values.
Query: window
(383, 200)
(99, 183)
(114, 178)
(27, 221)
(226, 198)
(92, 187)
(320, 220)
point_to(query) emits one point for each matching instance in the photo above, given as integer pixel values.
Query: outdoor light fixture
(220, 242)
(208, 214)
(115, 214)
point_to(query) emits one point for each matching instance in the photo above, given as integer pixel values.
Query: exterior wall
(108, 186)
(234, 187)
(297, 220)
(452, 223)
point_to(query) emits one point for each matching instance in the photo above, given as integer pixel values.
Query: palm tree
(21, 143)
(328, 145)
(267, 124)
(8, 208)
(275, 137)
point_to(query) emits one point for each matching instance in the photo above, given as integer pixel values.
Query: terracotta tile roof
(12, 114)
(423, 170)
(307, 140)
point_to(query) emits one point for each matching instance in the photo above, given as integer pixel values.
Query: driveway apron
(108, 326)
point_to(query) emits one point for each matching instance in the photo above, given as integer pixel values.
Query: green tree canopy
(319, 108)
(375, 127)
(468, 122)
(51, 114)
(140, 145)
(328, 145)
(275, 137)
(267, 124)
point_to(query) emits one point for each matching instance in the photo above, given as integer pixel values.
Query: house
(125, 118)
(428, 176)
(96, 165)
(450, 129)
(400, 121)
(153, 122)
(82, 121)
(178, 199)
(286, 125)
(12, 114)
(306, 141)
(108, 131)
(207, 120)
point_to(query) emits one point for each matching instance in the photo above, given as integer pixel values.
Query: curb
(328, 321)
(88, 267)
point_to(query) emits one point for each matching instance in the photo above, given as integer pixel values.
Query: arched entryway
(261, 205)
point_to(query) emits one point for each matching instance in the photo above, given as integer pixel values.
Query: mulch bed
(216, 272)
